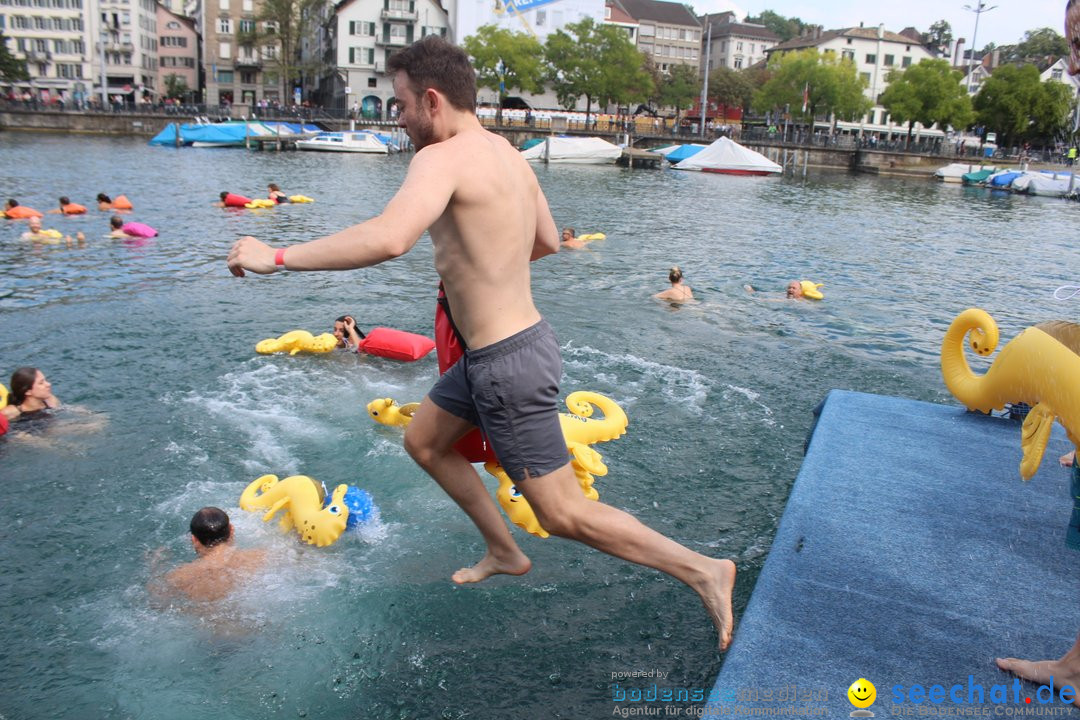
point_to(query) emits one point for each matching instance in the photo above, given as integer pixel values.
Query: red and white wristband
(279, 257)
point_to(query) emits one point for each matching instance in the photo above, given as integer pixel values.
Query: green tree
(786, 28)
(1041, 43)
(597, 61)
(930, 92)
(506, 61)
(680, 88)
(1018, 106)
(289, 22)
(730, 88)
(833, 87)
(11, 68)
(939, 36)
(176, 87)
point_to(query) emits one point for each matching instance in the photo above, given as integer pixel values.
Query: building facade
(668, 33)
(125, 36)
(51, 36)
(735, 45)
(241, 56)
(178, 53)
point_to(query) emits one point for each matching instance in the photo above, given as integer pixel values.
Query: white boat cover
(954, 172)
(726, 155)
(581, 150)
(1054, 185)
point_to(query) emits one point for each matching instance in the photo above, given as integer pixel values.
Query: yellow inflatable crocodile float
(579, 428)
(297, 341)
(1040, 367)
(301, 499)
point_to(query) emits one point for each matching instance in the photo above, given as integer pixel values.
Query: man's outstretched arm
(419, 202)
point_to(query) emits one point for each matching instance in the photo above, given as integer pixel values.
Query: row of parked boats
(1052, 183)
(304, 135)
(723, 156)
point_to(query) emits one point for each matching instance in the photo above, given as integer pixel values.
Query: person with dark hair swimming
(31, 395)
(219, 566)
(347, 334)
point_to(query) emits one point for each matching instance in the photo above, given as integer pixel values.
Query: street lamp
(979, 9)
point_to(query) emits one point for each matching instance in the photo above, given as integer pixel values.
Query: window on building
(224, 26)
(224, 50)
(890, 61)
(223, 5)
(849, 41)
(847, 55)
(1056, 74)
(541, 18)
(905, 61)
(871, 59)
(225, 77)
(397, 33)
(738, 63)
(270, 26)
(647, 30)
(172, 25)
(738, 47)
(866, 77)
(248, 6)
(248, 77)
(247, 26)
(369, 56)
(372, 82)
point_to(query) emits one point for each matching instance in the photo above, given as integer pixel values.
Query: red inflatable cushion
(232, 200)
(4, 424)
(396, 344)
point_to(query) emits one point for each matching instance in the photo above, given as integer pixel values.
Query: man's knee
(419, 449)
(567, 521)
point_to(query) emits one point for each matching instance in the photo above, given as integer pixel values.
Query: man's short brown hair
(434, 63)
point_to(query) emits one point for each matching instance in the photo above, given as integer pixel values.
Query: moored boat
(730, 158)
(358, 141)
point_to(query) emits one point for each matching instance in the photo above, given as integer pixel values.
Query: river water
(158, 338)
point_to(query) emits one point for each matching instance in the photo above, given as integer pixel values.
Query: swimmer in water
(679, 291)
(31, 395)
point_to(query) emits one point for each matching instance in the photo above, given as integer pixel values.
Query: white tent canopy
(727, 156)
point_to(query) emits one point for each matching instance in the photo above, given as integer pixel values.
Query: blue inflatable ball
(360, 504)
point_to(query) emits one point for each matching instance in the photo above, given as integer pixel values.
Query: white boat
(579, 151)
(1045, 183)
(954, 172)
(730, 158)
(353, 141)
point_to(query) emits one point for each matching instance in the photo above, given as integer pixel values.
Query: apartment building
(615, 15)
(735, 45)
(668, 32)
(178, 52)
(125, 39)
(241, 55)
(538, 18)
(875, 51)
(51, 36)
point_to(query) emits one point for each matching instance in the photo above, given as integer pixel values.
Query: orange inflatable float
(122, 203)
(21, 212)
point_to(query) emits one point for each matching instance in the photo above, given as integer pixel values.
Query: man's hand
(250, 254)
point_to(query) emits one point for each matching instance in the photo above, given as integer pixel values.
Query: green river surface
(159, 338)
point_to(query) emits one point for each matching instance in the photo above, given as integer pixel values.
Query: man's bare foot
(716, 596)
(489, 565)
(1068, 459)
(1062, 672)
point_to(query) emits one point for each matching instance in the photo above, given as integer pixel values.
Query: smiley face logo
(862, 693)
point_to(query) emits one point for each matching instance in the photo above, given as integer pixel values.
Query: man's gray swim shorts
(509, 390)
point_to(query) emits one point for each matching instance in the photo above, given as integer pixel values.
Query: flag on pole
(805, 96)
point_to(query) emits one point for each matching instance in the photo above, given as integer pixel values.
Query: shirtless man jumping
(488, 219)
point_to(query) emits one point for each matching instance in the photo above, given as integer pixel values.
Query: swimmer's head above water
(794, 289)
(210, 526)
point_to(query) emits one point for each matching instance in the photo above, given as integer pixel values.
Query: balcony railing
(391, 41)
(391, 14)
(249, 61)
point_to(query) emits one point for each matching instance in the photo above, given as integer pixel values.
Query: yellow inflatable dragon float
(1040, 367)
(580, 430)
(297, 341)
(301, 499)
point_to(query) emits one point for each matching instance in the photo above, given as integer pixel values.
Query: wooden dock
(634, 158)
(275, 142)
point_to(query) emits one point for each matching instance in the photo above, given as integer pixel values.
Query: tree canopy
(928, 93)
(786, 28)
(832, 86)
(939, 36)
(11, 68)
(679, 88)
(730, 88)
(289, 22)
(506, 60)
(176, 87)
(597, 61)
(1018, 106)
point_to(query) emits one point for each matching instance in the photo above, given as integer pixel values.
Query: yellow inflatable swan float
(297, 341)
(579, 428)
(1040, 367)
(301, 499)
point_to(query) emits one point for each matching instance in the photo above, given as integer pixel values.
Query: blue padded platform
(910, 552)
